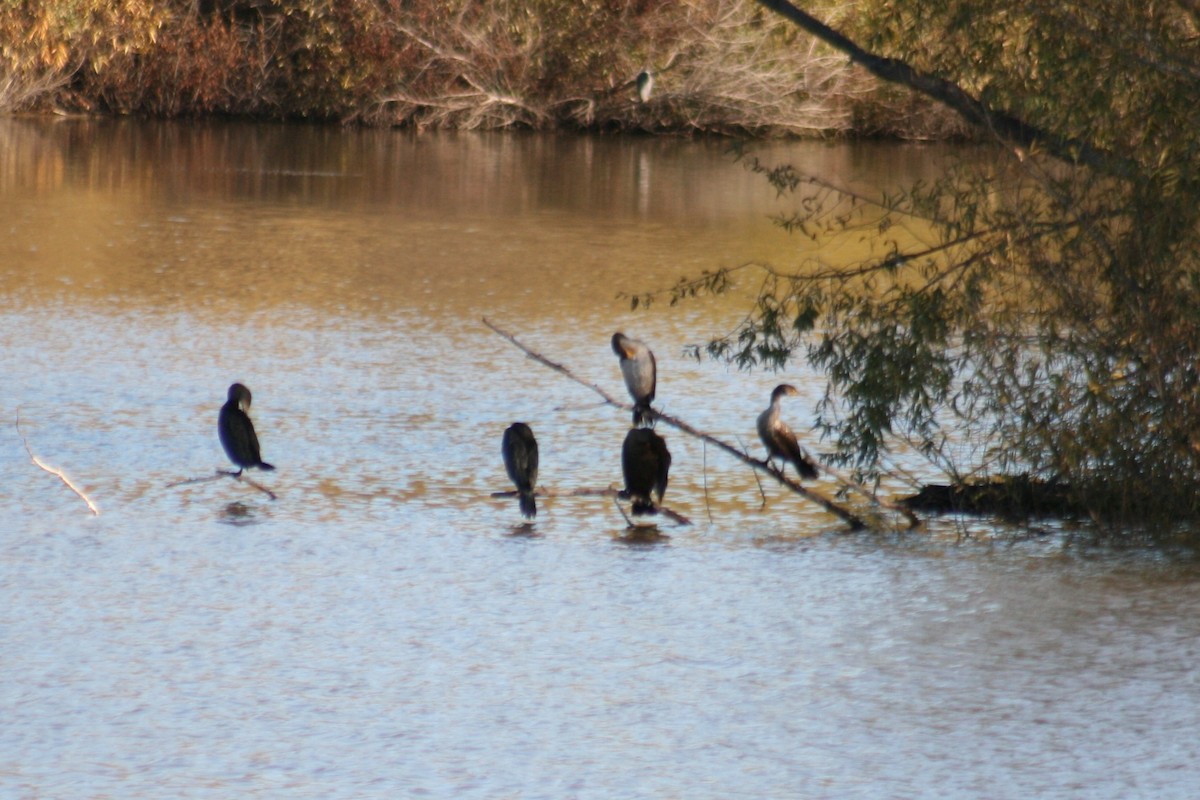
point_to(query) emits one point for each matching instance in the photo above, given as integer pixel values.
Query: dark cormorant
(640, 372)
(520, 453)
(779, 439)
(645, 85)
(237, 431)
(645, 462)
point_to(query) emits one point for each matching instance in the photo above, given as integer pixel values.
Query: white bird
(645, 85)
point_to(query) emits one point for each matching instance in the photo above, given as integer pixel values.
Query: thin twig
(704, 456)
(246, 479)
(674, 516)
(840, 511)
(628, 521)
(221, 473)
(54, 471)
(185, 481)
(762, 492)
(678, 519)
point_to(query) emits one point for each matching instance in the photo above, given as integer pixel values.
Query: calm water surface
(386, 628)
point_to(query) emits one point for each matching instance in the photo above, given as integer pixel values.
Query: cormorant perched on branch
(236, 431)
(779, 439)
(640, 371)
(520, 453)
(645, 462)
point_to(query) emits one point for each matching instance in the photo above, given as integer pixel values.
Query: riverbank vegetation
(1032, 317)
(724, 66)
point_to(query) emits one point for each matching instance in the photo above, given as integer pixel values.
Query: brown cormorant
(645, 462)
(779, 439)
(640, 372)
(237, 431)
(520, 453)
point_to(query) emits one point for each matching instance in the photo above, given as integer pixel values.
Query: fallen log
(1010, 496)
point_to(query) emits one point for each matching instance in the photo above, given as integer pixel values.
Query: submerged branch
(674, 516)
(836, 509)
(62, 476)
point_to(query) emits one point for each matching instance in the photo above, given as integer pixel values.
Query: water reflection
(524, 530)
(385, 628)
(239, 514)
(642, 536)
(205, 217)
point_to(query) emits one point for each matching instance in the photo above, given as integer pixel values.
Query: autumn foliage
(721, 65)
(1029, 317)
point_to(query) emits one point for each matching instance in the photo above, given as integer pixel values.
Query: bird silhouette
(520, 451)
(236, 431)
(645, 461)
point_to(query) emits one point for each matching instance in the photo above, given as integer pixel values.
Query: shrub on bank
(721, 65)
(44, 46)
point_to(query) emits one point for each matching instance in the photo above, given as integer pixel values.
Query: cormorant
(237, 431)
(645, 462)
(640, 372)
(779, 439)
(520, 453)
(645, 85)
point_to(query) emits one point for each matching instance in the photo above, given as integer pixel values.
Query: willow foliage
(1033, 312)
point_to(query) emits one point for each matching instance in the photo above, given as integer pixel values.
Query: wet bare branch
(58, 473)
(221, 473)
(674, 516)
(845, 514)
(1006, 127)
(761, 492)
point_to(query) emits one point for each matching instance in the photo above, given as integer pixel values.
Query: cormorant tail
(643, 508)
(528, 506)
(265, 466)
(807, 467)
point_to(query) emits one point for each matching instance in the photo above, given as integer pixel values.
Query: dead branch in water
(836, 509)
(674, 516)
(62, 476)
(221, 473)
(628, 522)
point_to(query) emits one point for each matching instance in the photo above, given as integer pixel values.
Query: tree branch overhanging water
(1007, 127)
(842, 512)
